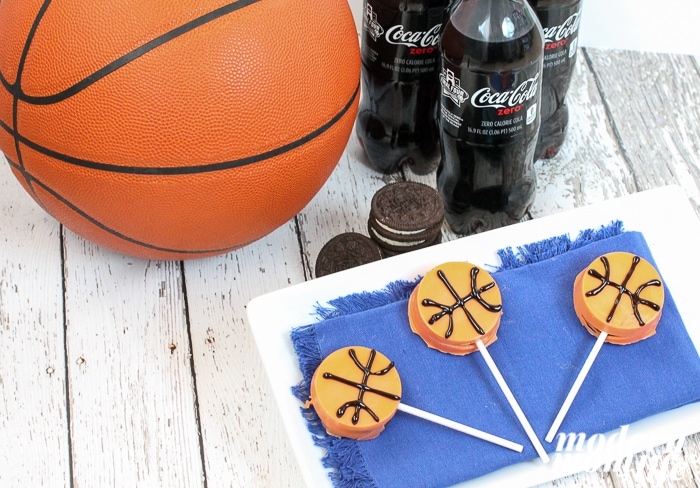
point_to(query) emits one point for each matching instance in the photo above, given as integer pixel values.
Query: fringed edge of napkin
(554, 246)
(366, 300)
(343, 456)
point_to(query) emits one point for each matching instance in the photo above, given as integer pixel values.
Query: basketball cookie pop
(356, 391)
(618, 298)
(456, 308)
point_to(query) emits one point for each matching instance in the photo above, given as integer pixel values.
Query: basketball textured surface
(176, 130)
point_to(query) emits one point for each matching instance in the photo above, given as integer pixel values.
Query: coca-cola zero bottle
(491, 72)
(560, 21)
(397, 118)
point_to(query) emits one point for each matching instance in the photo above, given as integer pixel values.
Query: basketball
(176, 130)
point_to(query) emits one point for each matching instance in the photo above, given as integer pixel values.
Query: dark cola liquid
(397, 118)
(489, 113)
(560, 21)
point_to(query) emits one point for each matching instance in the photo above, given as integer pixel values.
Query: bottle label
(561, 36)
(491, 108)
(402, 46)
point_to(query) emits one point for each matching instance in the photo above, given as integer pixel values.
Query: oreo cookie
(405, 216)
(388, 253)
(346, 251)
(401, 241)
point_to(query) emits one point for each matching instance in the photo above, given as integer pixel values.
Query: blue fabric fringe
(348, 468)
(554, 246)
(357, 302)
(342, 455)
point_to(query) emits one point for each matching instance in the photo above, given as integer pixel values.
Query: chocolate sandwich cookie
(405, 216)
(412, 236)
(399, 243)
(346, 251)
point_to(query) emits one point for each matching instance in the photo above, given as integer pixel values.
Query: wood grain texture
(653, 103)
(244, 442)
(691, 453)
(34, 442)
(589, 167)
(131, 400)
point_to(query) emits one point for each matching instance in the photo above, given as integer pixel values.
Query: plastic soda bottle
(491, 77)
(397, 118)
(560, 21)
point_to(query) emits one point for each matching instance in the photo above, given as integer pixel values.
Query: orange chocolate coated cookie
(453, 306)
(355, 392)
(621, 294)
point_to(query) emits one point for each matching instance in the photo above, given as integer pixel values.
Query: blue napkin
(541, 347)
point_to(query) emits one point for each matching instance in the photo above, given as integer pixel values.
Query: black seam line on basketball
(28, 178)
(177, 170)
(15, 99)
(17, 91)
(115, 233)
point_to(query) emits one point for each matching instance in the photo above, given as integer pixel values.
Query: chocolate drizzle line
(363, 387)
(623, 290)
(461, 303)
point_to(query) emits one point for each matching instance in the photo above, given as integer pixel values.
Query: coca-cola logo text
(397, 35)
(562, 31)
(484, 97)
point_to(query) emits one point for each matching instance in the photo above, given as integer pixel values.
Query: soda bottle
(397, 117)
(560, 21)
(491, 72)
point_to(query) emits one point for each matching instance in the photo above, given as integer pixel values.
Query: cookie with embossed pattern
(346, 251)
(407, 206)
(405, 216)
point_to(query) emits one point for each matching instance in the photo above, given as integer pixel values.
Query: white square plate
(672, 231)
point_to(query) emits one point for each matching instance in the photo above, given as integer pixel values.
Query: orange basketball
(176, 129)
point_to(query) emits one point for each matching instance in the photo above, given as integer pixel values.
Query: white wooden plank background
(34, 436)
(130, 393)
(239, 420)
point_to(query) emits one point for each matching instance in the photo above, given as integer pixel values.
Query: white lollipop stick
(512, 401)
(575, 387)
(460, 427)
